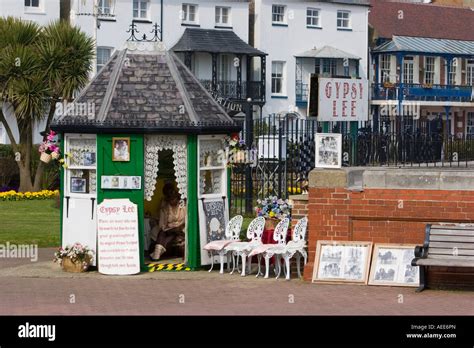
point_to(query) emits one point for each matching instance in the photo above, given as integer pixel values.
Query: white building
(303, 37)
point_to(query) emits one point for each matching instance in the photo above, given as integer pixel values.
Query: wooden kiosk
(145, 102)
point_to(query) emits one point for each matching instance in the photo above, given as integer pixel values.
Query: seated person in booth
(170, 228)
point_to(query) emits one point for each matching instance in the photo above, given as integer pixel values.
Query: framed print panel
(342, 261)
(121, 149)
(328, 150)
(391, 265)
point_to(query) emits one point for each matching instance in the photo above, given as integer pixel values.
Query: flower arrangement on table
(76, 258)
(237, 149)
(273, 209)
(49, 149)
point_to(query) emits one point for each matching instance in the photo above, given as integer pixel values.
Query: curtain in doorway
(156, 143)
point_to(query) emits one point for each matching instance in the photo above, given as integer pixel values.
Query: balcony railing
(422, 92)
(228, 89)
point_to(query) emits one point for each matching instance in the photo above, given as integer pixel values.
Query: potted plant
(237, 149)
(273, 209)
(49, 149)
(76, 258)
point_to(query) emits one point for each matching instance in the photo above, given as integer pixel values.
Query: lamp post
(248, 110)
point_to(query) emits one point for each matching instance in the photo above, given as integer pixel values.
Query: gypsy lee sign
(343, 99)
(117, 228)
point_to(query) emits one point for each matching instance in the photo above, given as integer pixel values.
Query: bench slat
(468, 246)
(460, 239)
(452, 232)
(451, 257)
(449, 251)
(453, 227)
(445, 262)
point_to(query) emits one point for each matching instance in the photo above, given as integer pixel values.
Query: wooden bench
(445, 245)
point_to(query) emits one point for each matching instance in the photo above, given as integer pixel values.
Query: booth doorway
(164, 220)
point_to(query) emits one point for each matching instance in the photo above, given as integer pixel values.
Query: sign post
(117, 228)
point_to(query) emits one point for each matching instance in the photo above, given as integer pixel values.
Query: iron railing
(286, 153)
(230, 90)
(422, 92)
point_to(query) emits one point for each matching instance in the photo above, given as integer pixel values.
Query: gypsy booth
(153, 148)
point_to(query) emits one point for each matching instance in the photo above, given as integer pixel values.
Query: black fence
(286, 153)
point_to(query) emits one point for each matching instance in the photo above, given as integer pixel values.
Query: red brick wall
(381, 215)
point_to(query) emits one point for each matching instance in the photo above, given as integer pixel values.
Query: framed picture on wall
(121, 149)
(78, 185)
(328, 150)
(391, 265)
(342, 261)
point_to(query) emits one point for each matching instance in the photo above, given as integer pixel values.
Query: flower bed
(23, 196)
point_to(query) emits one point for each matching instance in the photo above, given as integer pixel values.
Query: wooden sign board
(117, 228)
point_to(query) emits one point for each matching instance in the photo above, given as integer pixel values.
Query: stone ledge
(302, 197)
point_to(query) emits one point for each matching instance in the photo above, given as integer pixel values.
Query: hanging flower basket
(55, 155)
(45, 157)
(74, 267)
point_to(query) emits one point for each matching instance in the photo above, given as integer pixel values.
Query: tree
(38, 68)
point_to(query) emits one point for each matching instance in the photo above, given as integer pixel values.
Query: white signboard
(117, 228)
(343, 99)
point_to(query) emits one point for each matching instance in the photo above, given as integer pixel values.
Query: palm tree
(38, 68)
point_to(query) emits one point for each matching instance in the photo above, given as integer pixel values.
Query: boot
(159, 250)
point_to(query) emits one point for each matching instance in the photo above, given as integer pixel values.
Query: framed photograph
(121, 149)
(121, 182)
(89, 159)
(78, 185)
(328, 150)
(342, 261)
(391, 265)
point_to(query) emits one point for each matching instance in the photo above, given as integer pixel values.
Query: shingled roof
(145, 88)
(421, 20)
(214, 41)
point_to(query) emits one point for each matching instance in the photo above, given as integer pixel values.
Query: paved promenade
(42, 288)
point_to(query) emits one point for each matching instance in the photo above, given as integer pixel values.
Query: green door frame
(193, 242)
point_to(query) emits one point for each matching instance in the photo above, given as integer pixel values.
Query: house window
(103, 56)
(222, 15)
(385, 60)
(104, 7)
(429, 70)
(452, 72)
(312, 17)
(189, 13)
(470, 124)
(32, 3)
(470, 72)
(223, 67)
(343, 20)
(278, 14)
(408, 70)
(278, 77)
(140, 9)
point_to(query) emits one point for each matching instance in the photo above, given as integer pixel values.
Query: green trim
(61, 191)
(105, 166)
(354, 130)
(325, 127)
(194, 252)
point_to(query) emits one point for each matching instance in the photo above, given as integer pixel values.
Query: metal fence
(286, 153)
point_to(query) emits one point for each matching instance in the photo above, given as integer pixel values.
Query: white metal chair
(296, 246)
(232, 233)
(269, 250)
(242, 249)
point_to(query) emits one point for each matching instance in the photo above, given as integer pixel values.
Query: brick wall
(382, 215)
(300, 207)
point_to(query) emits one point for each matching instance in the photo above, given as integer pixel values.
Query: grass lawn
(29, 222)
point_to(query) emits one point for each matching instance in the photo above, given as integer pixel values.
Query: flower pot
(73, 267)
(45, 157)
(55, 155)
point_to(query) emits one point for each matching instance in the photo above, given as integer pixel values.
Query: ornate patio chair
(232, 233)
(269, 250)
(296, 246)
(242, 249)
